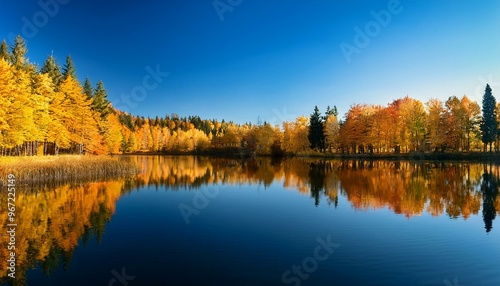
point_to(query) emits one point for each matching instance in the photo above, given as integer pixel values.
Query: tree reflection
(317, 180)
(489, 190)
(51, 222)
(407, 188)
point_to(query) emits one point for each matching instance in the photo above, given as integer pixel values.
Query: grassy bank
(65, 168)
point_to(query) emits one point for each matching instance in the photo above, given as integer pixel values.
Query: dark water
(201, 221)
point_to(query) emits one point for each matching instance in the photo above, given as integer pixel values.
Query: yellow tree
(156, 136)
(379, 131)
(356, 128)
(19, 115)
(79, 118)
(331, 131)
(164, 139)
(300, 135)
(471, 113)
(231, 137)
(394, 126)
(200, 139)
(453, 121)
(113, 135)
(286, 143)
(57, 130)
(435, 123)
(264, 136)
(42, 95)
(413, 117)
(133, 143)
(7, 88)
(184, 141)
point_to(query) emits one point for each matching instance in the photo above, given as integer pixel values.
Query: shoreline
(412, 156)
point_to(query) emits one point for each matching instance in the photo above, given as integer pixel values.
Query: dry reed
(64, 168)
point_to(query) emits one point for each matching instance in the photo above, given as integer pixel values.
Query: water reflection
(407, 188)
(51, 223)
(489, 190)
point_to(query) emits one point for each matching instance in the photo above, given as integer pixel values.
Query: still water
(205, 221)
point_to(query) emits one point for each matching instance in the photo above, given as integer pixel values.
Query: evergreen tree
(489, 124)
(51, 68)
(100, 102)
(331, 111)
(69, 68)
(88, 89)
(19, 51)
(316, 135)
(4, 51)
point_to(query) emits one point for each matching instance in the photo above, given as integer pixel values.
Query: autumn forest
(47, 111)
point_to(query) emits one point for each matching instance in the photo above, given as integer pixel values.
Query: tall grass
(61, 169)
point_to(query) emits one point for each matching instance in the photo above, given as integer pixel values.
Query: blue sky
(270, 59)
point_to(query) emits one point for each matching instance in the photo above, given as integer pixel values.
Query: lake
(210, 221)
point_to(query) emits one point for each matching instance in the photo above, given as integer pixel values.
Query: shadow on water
(55, 220)
(489, 190)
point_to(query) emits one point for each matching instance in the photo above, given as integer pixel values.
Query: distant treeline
(45, 111)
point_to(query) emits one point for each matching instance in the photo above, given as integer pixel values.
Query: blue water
(254, 234)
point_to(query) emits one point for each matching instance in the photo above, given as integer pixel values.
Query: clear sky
(244, 59)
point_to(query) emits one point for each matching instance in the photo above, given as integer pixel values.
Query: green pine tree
(4, 51)
(88, 89)
(316, 135)
(69, 68)
(100, 102)
(489, 124)
(330, 111)
(19, 51)
(51, 68)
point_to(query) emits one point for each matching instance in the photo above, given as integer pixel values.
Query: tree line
(408, 125)
(48, 111)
